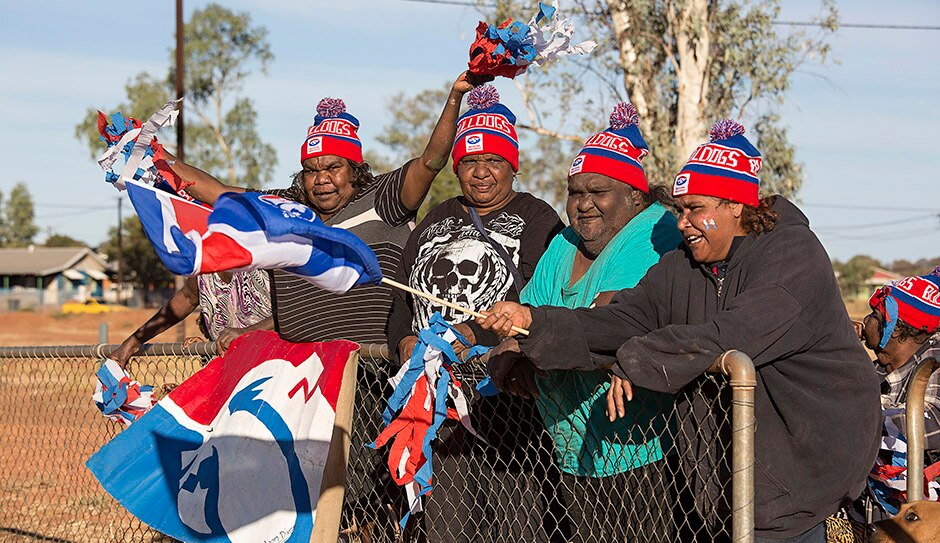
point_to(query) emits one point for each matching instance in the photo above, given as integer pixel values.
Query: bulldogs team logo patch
(681, 185)
(474, 143)
(576, 165)
(315, 145)
(288, 208)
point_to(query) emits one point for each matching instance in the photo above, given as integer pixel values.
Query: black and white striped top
(303, 312)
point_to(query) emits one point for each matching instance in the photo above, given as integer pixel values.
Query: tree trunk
(634, 83)
(689, 26)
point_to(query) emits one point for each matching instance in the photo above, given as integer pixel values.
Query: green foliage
(221, 49)
(852, 275)
(543, 169)
(920, 267)
(141, 263)
(145, 95)
(781, 172)
(19, 225)
(61, 240)
(413, 120)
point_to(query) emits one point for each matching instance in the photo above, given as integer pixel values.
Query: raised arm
(420, 174)
(203, 187)
(183, 302)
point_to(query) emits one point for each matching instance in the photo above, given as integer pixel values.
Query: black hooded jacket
(817, 396)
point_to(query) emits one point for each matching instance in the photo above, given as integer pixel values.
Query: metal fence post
(739, 369)
(914, 410)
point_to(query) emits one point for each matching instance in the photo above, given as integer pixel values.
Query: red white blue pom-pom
(331, 107)
(624, 115)
(724, 129)
(483, 97)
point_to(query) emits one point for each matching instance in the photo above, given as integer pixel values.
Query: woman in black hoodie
(751, 276)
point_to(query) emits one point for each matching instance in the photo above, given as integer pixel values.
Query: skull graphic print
(457, 264)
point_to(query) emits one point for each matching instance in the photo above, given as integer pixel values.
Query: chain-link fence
(552, 469)
(49, 427)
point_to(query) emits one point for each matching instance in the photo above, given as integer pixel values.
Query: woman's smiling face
(708, 226)
(486, 181)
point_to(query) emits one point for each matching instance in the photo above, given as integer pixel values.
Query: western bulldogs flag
(236, 453)
(250, 231)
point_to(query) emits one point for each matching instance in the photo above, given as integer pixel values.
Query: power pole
(180, 141)
(180, 74)
(120, 253)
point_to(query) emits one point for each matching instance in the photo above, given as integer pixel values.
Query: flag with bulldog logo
(252, 231)
(236, 453)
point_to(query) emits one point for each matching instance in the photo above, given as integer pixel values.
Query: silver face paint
(709, 223)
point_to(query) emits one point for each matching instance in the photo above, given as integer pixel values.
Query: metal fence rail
(916, 391)
(507, 489)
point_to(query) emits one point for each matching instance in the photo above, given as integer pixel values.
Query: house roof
(881, 276)
(43, 261)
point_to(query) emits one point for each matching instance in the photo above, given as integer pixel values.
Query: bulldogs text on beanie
(487, 127)
(617, 151)
(726, 167)
(915, 300)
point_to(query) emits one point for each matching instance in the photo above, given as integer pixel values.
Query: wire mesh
(49, 427)
(514, 487)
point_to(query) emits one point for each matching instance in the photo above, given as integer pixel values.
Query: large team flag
(249, 231)
(237, 452)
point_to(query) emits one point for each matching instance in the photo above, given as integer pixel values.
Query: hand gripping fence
(49, 427)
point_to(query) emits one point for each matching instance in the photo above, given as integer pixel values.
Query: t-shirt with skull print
(448, 257)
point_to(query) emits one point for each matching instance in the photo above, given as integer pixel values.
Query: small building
(880, 277)
(50, 276)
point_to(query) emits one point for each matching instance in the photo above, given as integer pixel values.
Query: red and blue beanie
(726, 167)
(914, 300)
(333, 133)
(617, 151)
(487, 127)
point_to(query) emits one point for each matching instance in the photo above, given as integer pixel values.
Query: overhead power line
(72, 206)
(859, 25)
(931, 217)
(71, 214)
(780, 23)
(856, 207)
(888, 236)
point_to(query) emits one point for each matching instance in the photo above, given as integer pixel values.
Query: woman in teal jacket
(618, 231)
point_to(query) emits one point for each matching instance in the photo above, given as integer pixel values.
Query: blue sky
(866, 134)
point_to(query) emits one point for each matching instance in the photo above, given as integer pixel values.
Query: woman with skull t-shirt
(473, 250)
(447, 256)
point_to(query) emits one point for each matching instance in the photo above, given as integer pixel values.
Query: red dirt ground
(44, 328)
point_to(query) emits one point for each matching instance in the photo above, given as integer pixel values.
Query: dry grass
(49, 427)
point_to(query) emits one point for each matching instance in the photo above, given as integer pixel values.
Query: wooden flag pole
(445, 303)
